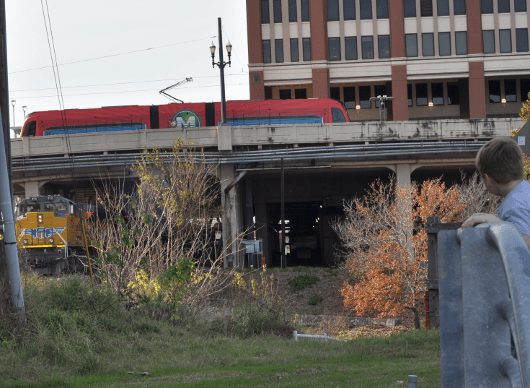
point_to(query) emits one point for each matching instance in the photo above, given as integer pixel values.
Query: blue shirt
(515, 207)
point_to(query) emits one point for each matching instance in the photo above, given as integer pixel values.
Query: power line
(124, 83)
(126, 91)
(111, 55)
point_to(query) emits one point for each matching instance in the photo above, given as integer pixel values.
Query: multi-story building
(437, 58)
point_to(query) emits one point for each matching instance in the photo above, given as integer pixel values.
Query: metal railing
(323, 337)
(484, 290)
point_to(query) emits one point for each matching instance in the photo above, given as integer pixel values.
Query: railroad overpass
(324, 164)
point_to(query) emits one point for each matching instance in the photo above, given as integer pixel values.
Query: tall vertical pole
(6, 188)
(6, 206)
(284, 261)
(222, 68)
(4, 94)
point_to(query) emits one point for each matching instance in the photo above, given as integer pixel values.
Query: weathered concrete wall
(358, 132)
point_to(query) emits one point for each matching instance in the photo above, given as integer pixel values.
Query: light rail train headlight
(52, 240)
(39, 218)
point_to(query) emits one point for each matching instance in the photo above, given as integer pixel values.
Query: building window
(488, 41)
(292, 11)
(525, 89)
(305, 10)
(367, 46)
(349, 97)
(495, 91)
(364, 96)
(349, 9)
(379, 90)
(384, 46)
(334, 49)
(351, 48)
(510, 92)
(427, 44)
(366, 9)
(278, 43)
(333, 10)
(300, 93)
(382, 9)
(285, 94)
(452, 93)
(410, 8)
(411, 43)
(421, 95)
(277, 9)
(334, 93)
(505, 41)
(521, 40)
(519, 6)
(444, 43)
(503, 6)
(461, 42)
(294, 50)
(409, 94)
(306, 48)
(426, 8)
(487, 6)
(437, 92)
(443, 7)
(459, 7)
(266, 44)
(265, 17)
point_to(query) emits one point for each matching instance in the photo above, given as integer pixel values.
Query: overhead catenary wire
(125, 83)
(128, 91)
(110, 55)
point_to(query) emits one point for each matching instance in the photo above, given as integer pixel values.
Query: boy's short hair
(501, 159)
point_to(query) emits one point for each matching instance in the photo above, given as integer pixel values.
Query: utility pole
(6, 187)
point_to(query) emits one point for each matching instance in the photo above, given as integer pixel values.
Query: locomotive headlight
(25, 242)
(39, 218)
(52, 240)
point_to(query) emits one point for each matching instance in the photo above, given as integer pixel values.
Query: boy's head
(501, 160)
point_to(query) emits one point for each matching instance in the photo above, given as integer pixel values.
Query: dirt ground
(328, 287)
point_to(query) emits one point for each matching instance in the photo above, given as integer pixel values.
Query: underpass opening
(303, 233)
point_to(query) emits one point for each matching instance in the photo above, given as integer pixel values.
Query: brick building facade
(438, 58)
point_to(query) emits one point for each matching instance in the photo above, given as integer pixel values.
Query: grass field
(79, 337)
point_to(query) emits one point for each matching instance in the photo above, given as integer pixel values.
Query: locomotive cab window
(24, 208)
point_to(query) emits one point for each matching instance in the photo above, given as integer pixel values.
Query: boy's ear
(489, 180)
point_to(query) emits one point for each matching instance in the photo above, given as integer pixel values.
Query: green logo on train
(185, 119)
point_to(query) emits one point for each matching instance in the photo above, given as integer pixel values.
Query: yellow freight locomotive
(50, 232)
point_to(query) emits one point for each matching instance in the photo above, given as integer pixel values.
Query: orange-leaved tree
(384, 242)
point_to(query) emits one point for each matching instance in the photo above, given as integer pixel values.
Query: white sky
(161, 41)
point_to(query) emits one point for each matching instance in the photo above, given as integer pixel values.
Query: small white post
(413, 381)
(295, 334)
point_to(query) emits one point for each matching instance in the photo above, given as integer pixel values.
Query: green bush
(314, 300)
(302, 281)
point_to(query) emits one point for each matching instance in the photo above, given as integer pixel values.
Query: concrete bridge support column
(232, 219)
(403, 172)
(32, 189)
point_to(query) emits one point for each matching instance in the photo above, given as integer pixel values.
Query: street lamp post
(221, 64)
(382, 105)
(24, 110)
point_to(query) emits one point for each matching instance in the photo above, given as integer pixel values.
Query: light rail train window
(337, 115)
